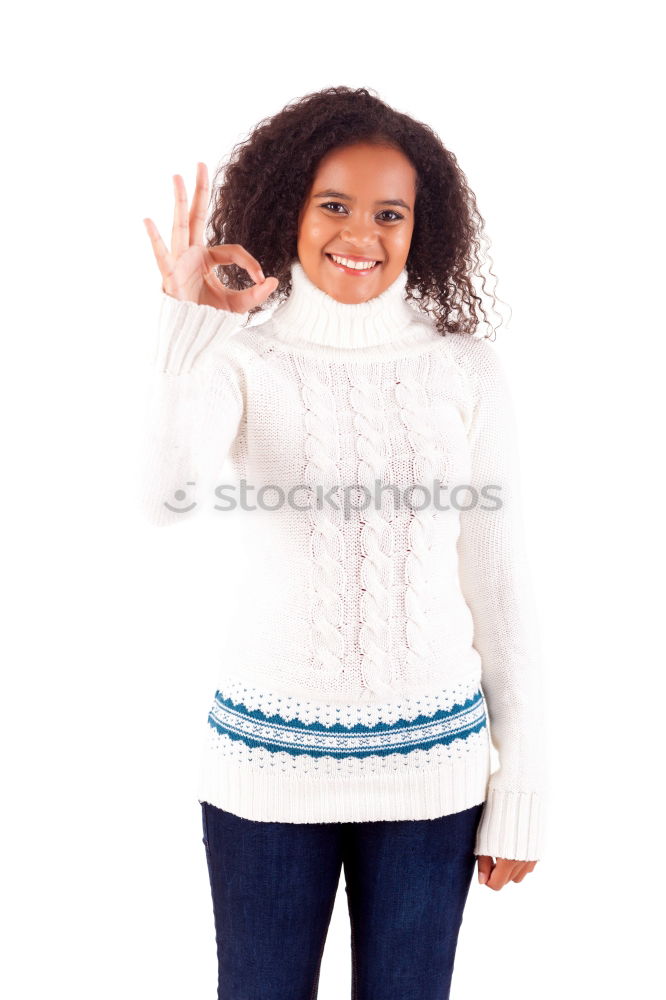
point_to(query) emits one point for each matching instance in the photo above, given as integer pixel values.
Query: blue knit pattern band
(275, 733)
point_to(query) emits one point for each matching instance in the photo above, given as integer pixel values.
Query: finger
(164, 259)
(510, 867)
(199, 206)
(497, 877)
(485, 865)
(180, 232)
(234, 253)
(519, 875)
(240, 299)
(503, 872)
(518, 869)
(527, 867)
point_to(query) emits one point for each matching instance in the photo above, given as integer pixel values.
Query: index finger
(234, 253)
(164, 259)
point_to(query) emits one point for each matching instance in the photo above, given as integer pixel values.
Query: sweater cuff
(511, 826)
(187, 329)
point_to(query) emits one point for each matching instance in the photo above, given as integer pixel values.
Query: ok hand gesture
(188, 268)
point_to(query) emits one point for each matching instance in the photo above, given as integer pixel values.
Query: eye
(328, 204)
(338, 204)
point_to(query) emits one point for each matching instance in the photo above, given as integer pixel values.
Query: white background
(114, 628)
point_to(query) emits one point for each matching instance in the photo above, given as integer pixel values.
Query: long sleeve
(193, 409)
(496, 582)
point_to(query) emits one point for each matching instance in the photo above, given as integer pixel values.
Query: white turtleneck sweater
(387, 634)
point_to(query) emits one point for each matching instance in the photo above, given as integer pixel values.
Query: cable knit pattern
(376, 538)
(379, 651)
(412, 397)
(322, 457)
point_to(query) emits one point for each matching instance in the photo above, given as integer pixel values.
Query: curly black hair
(268, 176)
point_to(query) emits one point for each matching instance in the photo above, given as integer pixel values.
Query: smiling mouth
(352, 270)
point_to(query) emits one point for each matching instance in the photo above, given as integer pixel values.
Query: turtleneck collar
(311, 317)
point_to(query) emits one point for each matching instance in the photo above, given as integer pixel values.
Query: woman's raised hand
(188, 268)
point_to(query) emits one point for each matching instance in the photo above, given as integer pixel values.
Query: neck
(311, 317)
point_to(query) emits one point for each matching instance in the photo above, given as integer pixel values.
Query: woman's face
(360, 206)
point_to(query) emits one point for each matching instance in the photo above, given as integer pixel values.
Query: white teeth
(358, 265)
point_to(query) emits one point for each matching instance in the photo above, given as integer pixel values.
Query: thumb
(485, 867)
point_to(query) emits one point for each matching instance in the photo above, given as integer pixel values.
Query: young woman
(385, 630)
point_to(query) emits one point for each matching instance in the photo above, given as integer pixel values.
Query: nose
(360, 234)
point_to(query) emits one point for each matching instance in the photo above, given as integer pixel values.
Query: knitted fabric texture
(389, 632)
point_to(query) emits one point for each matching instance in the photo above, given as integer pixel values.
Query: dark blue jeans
(274, 887)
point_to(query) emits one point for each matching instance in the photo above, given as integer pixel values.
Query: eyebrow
(338, 194)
